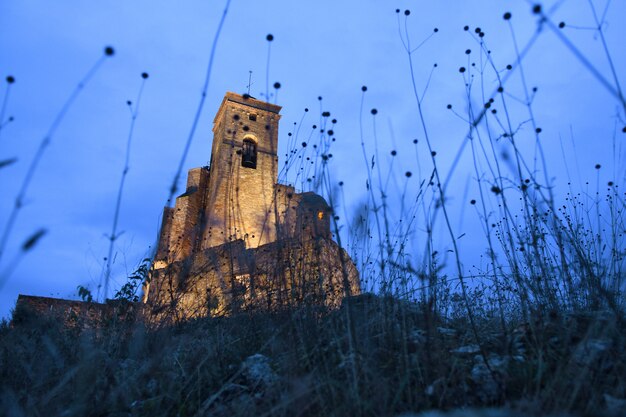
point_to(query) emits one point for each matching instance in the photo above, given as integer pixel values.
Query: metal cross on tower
(249, 81)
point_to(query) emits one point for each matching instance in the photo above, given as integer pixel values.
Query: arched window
(248, 154)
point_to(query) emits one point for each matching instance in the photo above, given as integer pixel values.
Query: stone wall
(240, 200)
(76, 314)
(230, 278)
(183, 223)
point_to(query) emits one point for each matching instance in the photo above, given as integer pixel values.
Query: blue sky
(321, 48)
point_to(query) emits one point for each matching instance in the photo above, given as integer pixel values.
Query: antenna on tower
(249, 81)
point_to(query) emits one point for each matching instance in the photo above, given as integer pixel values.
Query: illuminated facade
(237, 239)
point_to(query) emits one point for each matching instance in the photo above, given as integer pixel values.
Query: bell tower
(236, 238)
(241, 191)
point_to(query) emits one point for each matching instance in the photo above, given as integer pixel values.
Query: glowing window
(320, 215)
(248, 154)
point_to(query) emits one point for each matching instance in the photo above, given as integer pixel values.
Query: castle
(236, 239)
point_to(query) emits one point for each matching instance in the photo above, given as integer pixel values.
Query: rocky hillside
(375, 356)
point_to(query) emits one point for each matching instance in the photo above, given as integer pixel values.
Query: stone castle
(236, 239)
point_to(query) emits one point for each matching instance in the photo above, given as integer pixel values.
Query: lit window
(248, 154)
(320, 215)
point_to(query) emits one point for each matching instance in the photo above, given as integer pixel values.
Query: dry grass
(375, 356)
(542, 331)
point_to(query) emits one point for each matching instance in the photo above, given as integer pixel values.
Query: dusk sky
(320, 48)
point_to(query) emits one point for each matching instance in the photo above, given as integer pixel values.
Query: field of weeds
(376, 356)
(526, 317)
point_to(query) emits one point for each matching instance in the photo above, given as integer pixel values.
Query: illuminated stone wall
(236, 239)
(76, 314)
(230, 278)
(240, 201)
(183, 224)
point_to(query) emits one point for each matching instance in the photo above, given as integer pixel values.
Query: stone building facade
(236, 239)
(76, 314)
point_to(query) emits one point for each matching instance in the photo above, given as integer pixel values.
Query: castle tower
(243, 174)
(236, 238)
(233, 198)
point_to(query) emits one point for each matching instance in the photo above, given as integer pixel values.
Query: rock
(615, 406)
(466, 350)
(257, 371)
(587, 351)
(417, 336)
(446, 332)
(432, 389)
(488, 386)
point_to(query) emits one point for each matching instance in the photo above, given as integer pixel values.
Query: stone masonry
(236, 239)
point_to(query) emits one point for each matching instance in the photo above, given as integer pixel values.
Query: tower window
(252, 117)
(248, 154)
